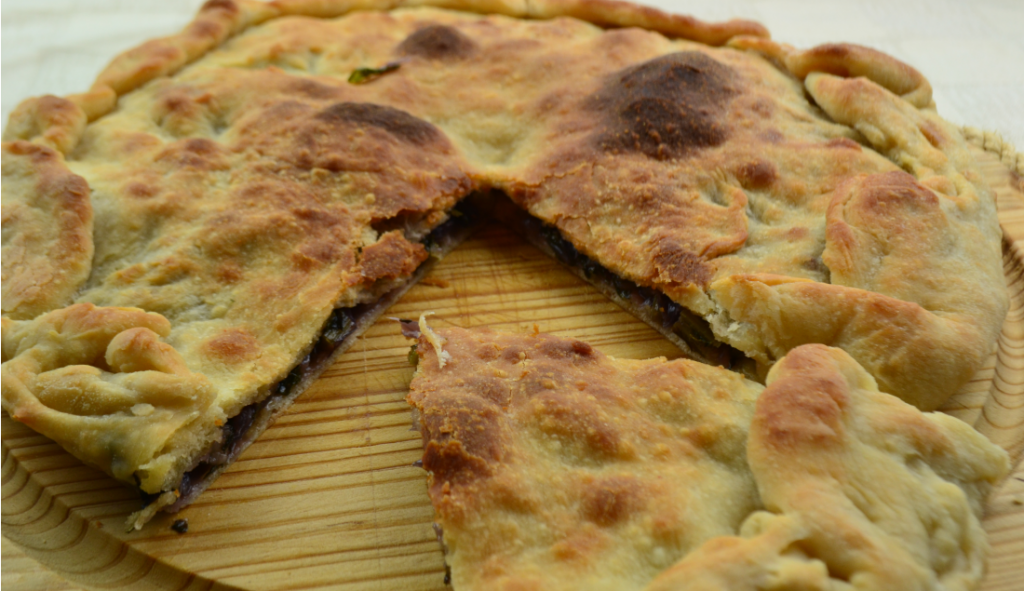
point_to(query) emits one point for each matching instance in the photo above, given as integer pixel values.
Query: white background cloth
(972, 51)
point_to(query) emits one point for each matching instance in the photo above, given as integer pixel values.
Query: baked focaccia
(553, 466)
(189, 241)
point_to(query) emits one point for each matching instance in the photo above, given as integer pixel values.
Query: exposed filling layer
(687, 330)
(338, 333)
(684, 328)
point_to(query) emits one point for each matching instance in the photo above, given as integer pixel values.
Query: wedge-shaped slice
(552, 466)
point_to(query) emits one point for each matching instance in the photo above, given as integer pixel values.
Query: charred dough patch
(398, 123)
(667, 106)
(437, 42)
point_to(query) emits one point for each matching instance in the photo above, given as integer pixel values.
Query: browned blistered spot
(391, 256)
(129, 274)
(312, 88)
(55, 118)
(314, 254)
(39, 154)
(465, 434)
(609, 501)
(513, 354)
(140, 190)
(448, 462)
(675, 264)
(830, 58)
(815, 264)
(666, 107)
(277, 113)
(130, 142)
(804, 404)
(172, 269)
(75, 196)
(198, 153)
(226, 5)
(201, 146)
(229, 273)
(796, 233)
(438, 42)
(177, 102)
(562, 350)
(581, 546)
(398, 123)
(564, 414)
(204, 29)
(758, 174)
(843, 142)
(881, 195)
(321, 251)
(762, 107)
(508, 493)
(233, 345)
(933, 134)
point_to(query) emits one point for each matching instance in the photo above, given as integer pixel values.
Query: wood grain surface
(329, 496)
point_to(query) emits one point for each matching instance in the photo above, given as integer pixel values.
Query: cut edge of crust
(272, 405)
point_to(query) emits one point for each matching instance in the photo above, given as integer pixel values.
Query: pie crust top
(553, 466)
(176, 237)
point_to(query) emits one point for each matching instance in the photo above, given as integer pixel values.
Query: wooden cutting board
(329, 496)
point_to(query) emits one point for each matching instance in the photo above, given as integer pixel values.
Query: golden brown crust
(852, 61)
(47, 230)
(611, 13)
(49, 121)
(853, 486)
(605, 13)
(873, 481)
(553, 465)
(244, 197)
(696, 170)
(888, 335)
(215, 22)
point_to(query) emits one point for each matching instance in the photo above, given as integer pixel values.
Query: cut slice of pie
(553, 466)
(186, 243)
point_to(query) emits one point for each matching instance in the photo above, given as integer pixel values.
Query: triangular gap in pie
(554, 466)
(189, 241)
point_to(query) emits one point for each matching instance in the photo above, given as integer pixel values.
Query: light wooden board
(328, 497)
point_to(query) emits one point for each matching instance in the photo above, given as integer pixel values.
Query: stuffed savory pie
(189, 241)
(553, 466)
